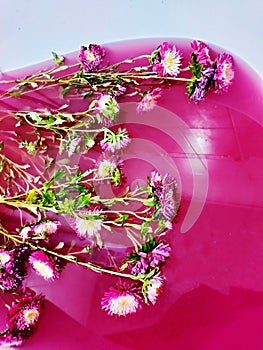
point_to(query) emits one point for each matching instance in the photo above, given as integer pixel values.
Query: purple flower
(224, 72)
(91, 57)
(149, 101)
(46, 266)
(151, 255)
(122, 300)
(167, 62)
(203, 84)
(13, 267)
(23, 315)
(115, 140)
(72, 145)
(201, 52)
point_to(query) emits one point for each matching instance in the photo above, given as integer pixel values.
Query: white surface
(32, 29)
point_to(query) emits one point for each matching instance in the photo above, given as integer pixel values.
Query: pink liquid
(213, 298)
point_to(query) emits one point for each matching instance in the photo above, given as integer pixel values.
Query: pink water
(213, 298)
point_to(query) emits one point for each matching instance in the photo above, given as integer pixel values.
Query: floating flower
(91, 57)
(107, 108)
(88, 223)
(115, 140)
(23, 315)
(149, 100)
(167, 61)
(224, 72)
(46, 228)
(46, 266)
(201, 52)
(122, 300)
(153, 288)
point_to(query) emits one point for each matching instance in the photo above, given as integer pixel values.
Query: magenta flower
(159, 254)
(149, 101)
(46, 266)
(168, 60)
(201, 51)
(8, 340)
(122, 300)
(91, 57)
(224, 72)
(115, 140)
(13, 267)
(23, 315)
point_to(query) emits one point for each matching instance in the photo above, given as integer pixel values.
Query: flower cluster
(207, 73)
(70, 190)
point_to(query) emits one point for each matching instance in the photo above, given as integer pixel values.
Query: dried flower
(23, 316)
(46, 266)
(168, 60)
(224, 72)
(149, 100)
(115, 140)
(91, 57)
(122, 300)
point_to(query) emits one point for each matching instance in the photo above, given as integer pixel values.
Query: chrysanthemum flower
(23, 316)
(115, 140)
(149, 101)
(203, 85)
(153, 288)
(224, 72)
(46, 266)
(91, 57)
(46, 228)
(168, 61)
(201, 52)
(107, 107)
(88, 223)
(122, 300)
(8, 340)
(13, 267)
(152, 254)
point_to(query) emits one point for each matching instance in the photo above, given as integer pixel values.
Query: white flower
(154, 288)
(123, 305)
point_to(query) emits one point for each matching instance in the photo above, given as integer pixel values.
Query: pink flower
(72, 146)
(154, 288)
(91, 57)
(8, 340)
(224, 72)
(122, 300)
(46, 266)
(107, 108)
(201, 51)
(88, 223)
(115, 140)
(46, 228)
(168, 61)
(23, 316)
(149, 101)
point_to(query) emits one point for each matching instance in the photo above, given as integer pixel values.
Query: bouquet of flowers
(60, 214)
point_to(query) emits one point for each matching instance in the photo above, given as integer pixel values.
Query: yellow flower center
(30, 316)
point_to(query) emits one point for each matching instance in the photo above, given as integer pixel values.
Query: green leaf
(58, 59)
(66, 90)
(83, 201)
